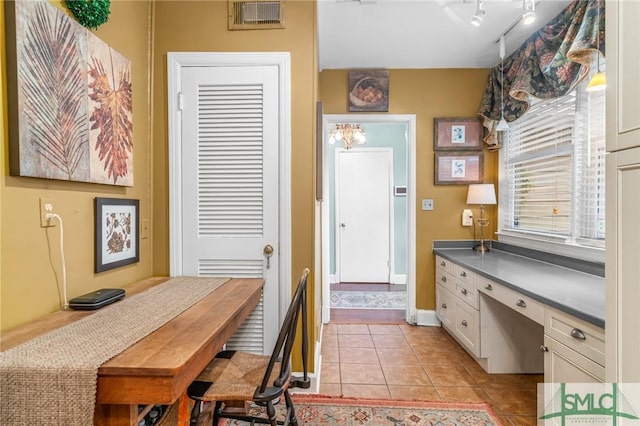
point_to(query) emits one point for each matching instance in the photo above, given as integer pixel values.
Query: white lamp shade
(481, 193)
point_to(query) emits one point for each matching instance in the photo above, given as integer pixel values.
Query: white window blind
(553, 170)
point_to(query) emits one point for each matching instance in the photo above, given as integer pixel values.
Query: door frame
(175, 62)
(328, 120)
(389, 152)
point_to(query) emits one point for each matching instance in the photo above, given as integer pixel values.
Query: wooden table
(158, 369)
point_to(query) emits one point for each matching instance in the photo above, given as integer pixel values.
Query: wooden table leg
(184, 410)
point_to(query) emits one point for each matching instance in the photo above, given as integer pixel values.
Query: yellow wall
(30, 256)
(427, 94)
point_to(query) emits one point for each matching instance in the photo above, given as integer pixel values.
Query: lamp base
(481, 248)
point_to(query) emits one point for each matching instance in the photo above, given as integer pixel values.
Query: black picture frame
(117, 232)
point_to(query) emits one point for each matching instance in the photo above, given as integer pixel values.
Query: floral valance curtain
(548, 64)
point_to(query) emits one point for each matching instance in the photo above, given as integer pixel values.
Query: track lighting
(479, 15)
(528, 11)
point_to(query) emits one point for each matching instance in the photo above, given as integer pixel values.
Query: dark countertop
(577, 293)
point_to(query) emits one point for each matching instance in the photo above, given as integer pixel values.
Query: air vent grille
(256, 14)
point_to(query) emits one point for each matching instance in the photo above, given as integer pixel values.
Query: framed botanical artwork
(117, 241)
(369, 91)
(458, 168)
(69, 97)
(457, 134)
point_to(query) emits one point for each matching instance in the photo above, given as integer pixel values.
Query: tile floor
(400, 361)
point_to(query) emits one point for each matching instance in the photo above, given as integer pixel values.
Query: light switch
(427, 204)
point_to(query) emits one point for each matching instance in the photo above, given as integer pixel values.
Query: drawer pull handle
(576, 333)
(444, 306)
(464, 322)
(463, 274)
(443, 263)
(543, 349)
(464, 291)
(488, 287)
(521, 303)
(443, 279)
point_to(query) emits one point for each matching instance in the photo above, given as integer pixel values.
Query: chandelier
(348, 134)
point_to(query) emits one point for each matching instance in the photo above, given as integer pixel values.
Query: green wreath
(90, 13)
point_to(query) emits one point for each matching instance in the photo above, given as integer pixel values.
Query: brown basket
(369, 82)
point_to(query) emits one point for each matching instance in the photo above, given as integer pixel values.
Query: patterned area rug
(368, 299)
(320, 410)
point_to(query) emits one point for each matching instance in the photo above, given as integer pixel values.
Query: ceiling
(421, 33)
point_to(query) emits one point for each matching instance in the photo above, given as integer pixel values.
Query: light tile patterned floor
(401, 361)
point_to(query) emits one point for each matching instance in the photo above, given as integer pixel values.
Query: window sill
(556, 246)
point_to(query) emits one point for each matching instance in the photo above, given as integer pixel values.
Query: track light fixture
(528, 11)
(479, 15)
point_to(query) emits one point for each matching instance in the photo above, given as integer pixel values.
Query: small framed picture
(117, 241)
(369, 90)
(458, 168)
(457, 134)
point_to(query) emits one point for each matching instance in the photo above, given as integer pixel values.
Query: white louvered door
(230, 185)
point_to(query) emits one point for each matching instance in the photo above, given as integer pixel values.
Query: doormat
(368, 299)
(321, 410)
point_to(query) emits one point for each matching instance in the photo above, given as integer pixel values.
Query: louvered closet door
(230, 185)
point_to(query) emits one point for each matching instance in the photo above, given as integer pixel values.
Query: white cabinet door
(563, 365)
(623, 69)
(623, 266)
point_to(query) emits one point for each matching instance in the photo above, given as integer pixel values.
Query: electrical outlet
(46, 207)
(467, 217)
(427, 204)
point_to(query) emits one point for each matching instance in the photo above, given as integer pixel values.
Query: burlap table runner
(52, 379)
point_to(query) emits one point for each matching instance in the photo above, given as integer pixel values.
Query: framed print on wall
(369, 91)
(457, 134)
(117, 241)
(458, 168)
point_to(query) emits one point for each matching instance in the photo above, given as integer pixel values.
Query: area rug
(368, 299)
(322, 410)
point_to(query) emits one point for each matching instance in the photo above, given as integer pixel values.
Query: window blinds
(553, 170)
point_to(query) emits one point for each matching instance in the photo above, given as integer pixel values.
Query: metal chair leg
(195, 412)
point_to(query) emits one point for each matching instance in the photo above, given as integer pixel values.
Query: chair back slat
(287, 335)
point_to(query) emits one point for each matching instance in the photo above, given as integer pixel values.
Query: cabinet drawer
(467, 326)
(467, 293)
(579, 335)
(564, 365)
(516, 301)
(464, 275)
(445, 279)
(444, 306)
(444, 264)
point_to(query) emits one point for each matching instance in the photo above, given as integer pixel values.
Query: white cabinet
(623, 266)
(457, 304)
(574, 349)
(623, 69)
(623, 197)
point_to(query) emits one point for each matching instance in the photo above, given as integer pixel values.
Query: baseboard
(427, 317)
(332, 279)
(398, 279)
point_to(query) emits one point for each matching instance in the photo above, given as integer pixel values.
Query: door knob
(268, 252)
(343, 225)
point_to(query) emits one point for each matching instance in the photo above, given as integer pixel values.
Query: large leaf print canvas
(69, 93)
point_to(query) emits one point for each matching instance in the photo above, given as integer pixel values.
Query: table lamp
(482, 193)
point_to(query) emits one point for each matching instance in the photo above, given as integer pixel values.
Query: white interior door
(363, 194)
(229, 150)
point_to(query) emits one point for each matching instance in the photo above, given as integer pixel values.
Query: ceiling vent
(256, 14)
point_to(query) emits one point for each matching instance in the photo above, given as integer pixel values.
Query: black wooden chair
(233, 378)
